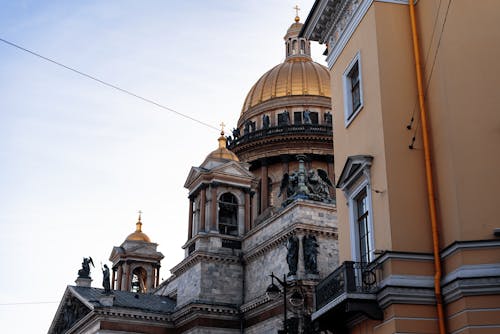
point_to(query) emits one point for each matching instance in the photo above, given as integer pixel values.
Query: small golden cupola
(138, 235)
(222, 153)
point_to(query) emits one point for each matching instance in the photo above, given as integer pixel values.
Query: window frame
(363, 185)
(349, 112)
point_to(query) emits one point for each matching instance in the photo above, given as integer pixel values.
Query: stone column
(247, 210)
(331, 175)
(264, 186)
(119, 278)
(150, 279)
(157, 276)
(190, 224)
(285, 168)
(203, 203)
(126, 277)
(113, 278)
(213, 207)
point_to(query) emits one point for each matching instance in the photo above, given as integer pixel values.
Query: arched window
(294, 46)
(139, 279)
(228, 214)
(302, 47)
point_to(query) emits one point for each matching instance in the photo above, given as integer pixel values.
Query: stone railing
(281, 130)
(350, 277)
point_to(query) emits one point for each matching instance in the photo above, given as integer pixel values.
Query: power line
(88, 76)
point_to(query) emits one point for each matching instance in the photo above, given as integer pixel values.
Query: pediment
(229, 168)
(233, 168)
(354, 165)
(70, 311)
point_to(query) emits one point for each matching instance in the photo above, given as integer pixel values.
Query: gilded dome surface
(222, 152)
(138, 235)
(296, 76)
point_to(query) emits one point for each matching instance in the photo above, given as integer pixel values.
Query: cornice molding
(198, 256)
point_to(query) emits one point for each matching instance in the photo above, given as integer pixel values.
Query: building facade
(262, 226)
(416, 163)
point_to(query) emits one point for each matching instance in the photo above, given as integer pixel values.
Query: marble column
(203, 203)
(264, 186)
(190, 224)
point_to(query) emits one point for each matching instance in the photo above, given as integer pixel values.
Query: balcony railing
(280, 131)
(350, 277)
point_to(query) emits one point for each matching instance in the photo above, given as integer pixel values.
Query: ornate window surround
(355, 178)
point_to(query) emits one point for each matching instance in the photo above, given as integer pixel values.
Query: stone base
(107, 300)
(80, 281)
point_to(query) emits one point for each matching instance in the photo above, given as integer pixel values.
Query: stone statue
(313, 185)
(287, 117)
(105, 280)
(85, 271)
(310, 245)
(229, 140)
(307, 117)
(292, 256)
(265, 121)
(236, 133)
(328, 117)
(318, 183)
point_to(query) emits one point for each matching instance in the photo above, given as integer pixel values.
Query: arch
(139, 280)
(294, 46)
(302, 47)
(228, 214)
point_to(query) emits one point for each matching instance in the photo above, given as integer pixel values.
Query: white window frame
(362, 182)
(349, 113)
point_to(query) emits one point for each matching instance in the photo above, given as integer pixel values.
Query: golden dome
(222, 152)
(138, 235)
(295, 77)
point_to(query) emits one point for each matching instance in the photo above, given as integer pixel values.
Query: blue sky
(78, 159)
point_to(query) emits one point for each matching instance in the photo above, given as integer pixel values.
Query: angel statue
(318, 183)
(85, 271)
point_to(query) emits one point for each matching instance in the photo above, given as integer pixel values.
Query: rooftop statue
(85, 271)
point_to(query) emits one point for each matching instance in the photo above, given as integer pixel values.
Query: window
(314, 117)
(283, 118)
(297, 118)
(353, 90)
(355, 183)
(362, 226)
(228, 214)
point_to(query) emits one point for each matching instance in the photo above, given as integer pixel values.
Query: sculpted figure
(105, 279)
(85, 271)
(310, 245)
(265, 121)
(307, 117)
(292, 256)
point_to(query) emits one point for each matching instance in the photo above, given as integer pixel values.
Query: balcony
(348, 291)
(282, 130)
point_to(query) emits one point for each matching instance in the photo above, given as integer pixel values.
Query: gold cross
(222, 125)
(140, 213)
(296, 10)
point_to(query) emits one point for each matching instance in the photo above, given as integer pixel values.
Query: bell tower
(136, 263)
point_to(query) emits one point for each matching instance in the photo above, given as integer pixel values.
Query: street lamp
(273, 291)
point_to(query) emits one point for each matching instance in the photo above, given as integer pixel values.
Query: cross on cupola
(297, 8)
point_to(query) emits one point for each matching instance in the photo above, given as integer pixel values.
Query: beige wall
(389, 91)
(464, 114)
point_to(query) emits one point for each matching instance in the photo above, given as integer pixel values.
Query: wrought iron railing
(350, 277)
(280, 131)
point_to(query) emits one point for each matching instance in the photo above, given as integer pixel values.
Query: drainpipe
(428, 173)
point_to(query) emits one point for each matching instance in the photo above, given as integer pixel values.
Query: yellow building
(412, 273)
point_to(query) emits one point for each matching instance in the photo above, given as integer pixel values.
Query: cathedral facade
(262, 228)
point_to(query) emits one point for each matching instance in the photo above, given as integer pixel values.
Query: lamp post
(273, 291)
